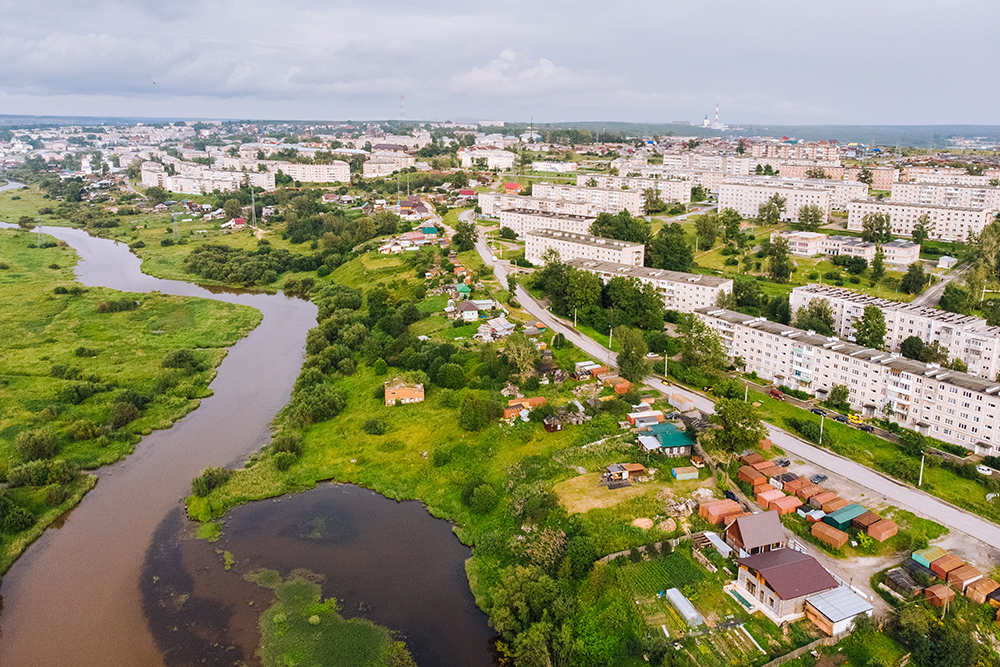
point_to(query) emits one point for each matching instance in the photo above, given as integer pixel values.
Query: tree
(511, 286)
(741, 147)
(632, 362)
(912, 348)
(840, 395)
(698, 193)
(583, 291)
(922, 229)
(465, 236)
(912, 443)
(522, 353)
(878, 264)
(869, 330)
(779, 263)
(741, 427)
(770, 212)
(811, 217)
(508, 233)
(591, 182)
(817, 315)
(670, 249)
(876, 228)
(746, 292)
(233, 208)
(816, 172)
(651, 202)
(707, 228)
(622, 227)
(156, 195)
(956, 300)
(25, 222)
(730, 220)
(865, 176)
(700, 345)
(779, 309)
(914, 280)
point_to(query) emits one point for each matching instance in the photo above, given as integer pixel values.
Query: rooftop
(648, 273)
(789, 573)
(759, 530)
(548, 214)
(840, 604)
(582, 239)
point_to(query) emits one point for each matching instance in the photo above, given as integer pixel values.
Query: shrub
(210, 478)
(84, 429)
(137, 245)
(122, 413)
(117, 306)
(55, 495)
(854, 280)
(85, 352)
(289, 442)
(41, 473)
(484, 498)
(13, 518)
(184, 359)
(65, 372)
(381, 368)
(167, 242)
(33, 445)
(4, 266)
(731, 261)
(727, 250)
(813, 276)
(374, 427)
(440, 456)
(60, 290)
(284, 460)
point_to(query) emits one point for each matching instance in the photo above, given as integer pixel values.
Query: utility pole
(746, 395)
(611, 336)
(921, 480)
(822, 419)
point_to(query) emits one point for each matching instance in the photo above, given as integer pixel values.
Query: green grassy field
(57, 344)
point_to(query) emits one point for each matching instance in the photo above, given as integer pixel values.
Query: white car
(984, 470)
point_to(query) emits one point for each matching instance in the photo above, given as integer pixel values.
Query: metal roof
(840, 604)
(789, 573)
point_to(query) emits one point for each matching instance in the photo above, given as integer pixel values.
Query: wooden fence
(822, 641)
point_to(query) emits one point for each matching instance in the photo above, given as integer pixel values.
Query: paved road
(933, 294)
(895, 493)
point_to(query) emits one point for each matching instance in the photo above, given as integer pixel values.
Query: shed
(993, 597)
(648, 443)
(773, 471)
(794, 485)
(720, 545)
(762, 488)
(834, 611)
(750, 459)
(766, 444)
(689, 472)
(915, 568)
(939, 595)
(762, 465)
(783, 480)
(899, 580)
(841, 519)
(979, 590)
(815, 516)
(785, 505)
(829, 535)
(715, 512)
(833, 505)
(862, 521)
(882, 530)
(927, 556)
(961, 577)
(684, 608)
(808, 491)
(749, 475)
(820, 498)
(945, 564)
(765, 499)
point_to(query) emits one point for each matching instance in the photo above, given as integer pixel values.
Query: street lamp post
(822, 418)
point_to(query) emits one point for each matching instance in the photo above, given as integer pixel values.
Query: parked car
(777, 394)
(840, 418)
(729, 495)
(817, 411)
(984, 470)
(867, 428)
(784, 463)
(817, 479)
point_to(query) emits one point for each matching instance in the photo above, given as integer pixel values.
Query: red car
(777, 394)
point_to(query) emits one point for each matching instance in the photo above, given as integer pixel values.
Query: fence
(659, 545)
(823, 641)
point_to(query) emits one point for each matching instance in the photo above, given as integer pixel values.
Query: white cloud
(509, 76)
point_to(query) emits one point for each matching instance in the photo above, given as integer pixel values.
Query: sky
(795, 62)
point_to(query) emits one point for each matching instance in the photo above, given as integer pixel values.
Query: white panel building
(746, 194)
(937, 194)
(491, 203)
(571, 245)
(948, 223)
(522, 221)
(604, 200)
(683, 292)
(671, 188)
(954, 407)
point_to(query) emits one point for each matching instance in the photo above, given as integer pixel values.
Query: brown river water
(94, 590)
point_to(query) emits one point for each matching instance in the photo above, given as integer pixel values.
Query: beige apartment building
(336, 172)
(803, 244)
(202, 180)
(948, 223)
(800, 168)
(964, 337)
(898, 251)
(948, 176)
(683, 292)
(954, 407)
(671, 189)
(940, 194)
(386, 163)
(812, 150)
(522, 221)
(882, 177)
(487, 157)
(571, 245)
(745, 194)
(491, 203)
(603, 200)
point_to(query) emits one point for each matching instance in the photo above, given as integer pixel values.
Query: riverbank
(80, 384)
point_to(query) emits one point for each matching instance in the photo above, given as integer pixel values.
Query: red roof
(511, 186)
(466, 193)
(239, 222)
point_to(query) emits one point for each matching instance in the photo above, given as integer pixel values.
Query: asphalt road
(894, 493)
(933, 294)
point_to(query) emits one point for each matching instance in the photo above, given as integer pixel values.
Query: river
(74, 597)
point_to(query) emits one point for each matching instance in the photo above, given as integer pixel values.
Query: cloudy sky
(763, 61)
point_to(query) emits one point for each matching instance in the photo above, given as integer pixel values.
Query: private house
(756, 533)
(467, 310)
(400, 391)
(522, 407)
(779, 582)
(624, 471)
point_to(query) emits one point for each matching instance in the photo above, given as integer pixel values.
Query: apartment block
(603, 200)
(939, 194)
(199, 179)
(746, 194)
(683, 292)
(386, 163)
(555, 167)
(882, 177)
(671, 189)
(898, 252)
(954, 407)
(948, 223)
(709, 179)
(491, 203)
(486, 157)
(841, 192)
(813, 150)
(799, 168)
(948, 176)
(964, 337)
(804, 244)
(523, 221)
(336, 172)
(571, 245)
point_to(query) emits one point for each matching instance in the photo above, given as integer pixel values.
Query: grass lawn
(104, 352)
(584, 492)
